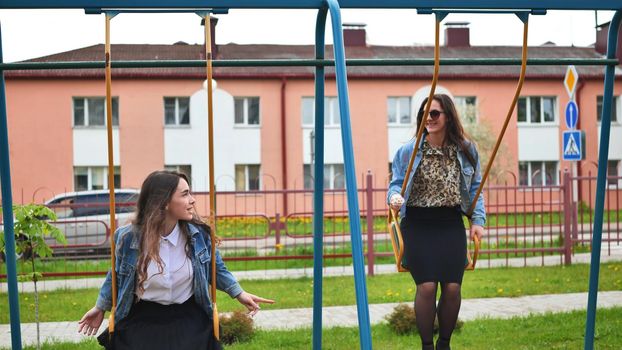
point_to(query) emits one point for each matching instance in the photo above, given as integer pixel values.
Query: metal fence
(272, 229)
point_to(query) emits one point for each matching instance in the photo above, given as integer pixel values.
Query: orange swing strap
(394, 227)
(212, 194)
(113, 222)
(519, 87)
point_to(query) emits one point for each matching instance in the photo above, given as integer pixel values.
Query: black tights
(426, 311)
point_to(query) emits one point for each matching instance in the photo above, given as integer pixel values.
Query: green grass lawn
(550, 331)
(70, 305)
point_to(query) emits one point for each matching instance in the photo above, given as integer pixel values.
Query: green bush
(402, 319)
(236, 327)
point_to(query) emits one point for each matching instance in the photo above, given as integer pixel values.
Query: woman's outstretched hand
(252, 302)
(90, 322)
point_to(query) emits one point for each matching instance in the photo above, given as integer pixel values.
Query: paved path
(345, 316)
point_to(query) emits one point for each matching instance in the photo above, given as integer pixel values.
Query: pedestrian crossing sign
(572, 148)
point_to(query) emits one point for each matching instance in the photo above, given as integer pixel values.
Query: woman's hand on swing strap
(477, 230)
(90, 322)
(252, 302)
(396, 201)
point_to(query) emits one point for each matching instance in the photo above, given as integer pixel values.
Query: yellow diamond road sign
(570, 80)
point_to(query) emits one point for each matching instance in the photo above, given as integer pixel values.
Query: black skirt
(155, 326)
(434, 244)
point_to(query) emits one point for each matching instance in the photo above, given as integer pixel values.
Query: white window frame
(87, 118)
(528, 111)
(330, 170)
(90, 171)
(247, 177)
(245, 123)
(615, 106)
(542, 173)
(331, 120)
(180, 169)
(461, 106)
(398, 112)
(177, 114)
(612, 183)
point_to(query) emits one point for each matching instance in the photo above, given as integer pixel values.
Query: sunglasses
(435, 114)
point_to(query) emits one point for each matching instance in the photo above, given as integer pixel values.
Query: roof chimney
(602, 33)
(354, 34)
(213, 22)
(457, 34)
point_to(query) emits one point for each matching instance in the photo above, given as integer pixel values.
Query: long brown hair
(454, 132)
(155, 194)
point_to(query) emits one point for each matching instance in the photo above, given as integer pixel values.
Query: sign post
(573, 140)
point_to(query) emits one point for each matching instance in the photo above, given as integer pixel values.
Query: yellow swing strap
(212, 194)
(394, 227)
(519, 87)
(110, 175)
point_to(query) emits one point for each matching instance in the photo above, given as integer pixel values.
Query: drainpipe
(578, 101)
(284, 145)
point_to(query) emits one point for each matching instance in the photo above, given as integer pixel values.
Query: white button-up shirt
(174, 284)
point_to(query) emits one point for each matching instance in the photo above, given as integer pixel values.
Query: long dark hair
(454, 132)
(155, 194)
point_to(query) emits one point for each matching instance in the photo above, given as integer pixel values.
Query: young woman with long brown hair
(163, 271)
(441, 187)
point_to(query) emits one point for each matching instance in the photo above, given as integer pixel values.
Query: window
(613, 168)
(94, 178)
(177, 111)
(398, 110)
(467, 108)
(184, 169)
(91, 111)
(334, 177)
(614, 108)
(246, 110)
(331, 111)
(247, 177)
(536, 110)
(538, 173)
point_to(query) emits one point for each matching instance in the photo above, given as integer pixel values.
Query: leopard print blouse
(436, 182)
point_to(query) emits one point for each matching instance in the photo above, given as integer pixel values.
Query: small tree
(31, 228)
(482, 133)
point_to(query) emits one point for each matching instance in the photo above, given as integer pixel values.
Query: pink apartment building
(264, 115)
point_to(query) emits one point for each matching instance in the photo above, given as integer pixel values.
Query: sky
(35, 33)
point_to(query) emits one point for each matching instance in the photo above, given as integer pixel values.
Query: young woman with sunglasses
(163, 269)
(441, 187)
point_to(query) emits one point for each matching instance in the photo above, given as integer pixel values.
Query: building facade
(264, 116)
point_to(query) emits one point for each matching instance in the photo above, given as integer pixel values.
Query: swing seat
(396, 241)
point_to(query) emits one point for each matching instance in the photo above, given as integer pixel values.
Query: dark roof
(181, 51)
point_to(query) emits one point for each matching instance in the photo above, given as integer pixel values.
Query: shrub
(402, 319)
(236, 327)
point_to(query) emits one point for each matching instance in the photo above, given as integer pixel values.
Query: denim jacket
(127, 243)
(469, 181)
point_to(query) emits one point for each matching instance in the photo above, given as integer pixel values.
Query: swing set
(440, 8)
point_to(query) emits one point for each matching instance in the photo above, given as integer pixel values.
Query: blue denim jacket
(469, 181)
(127, 244)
